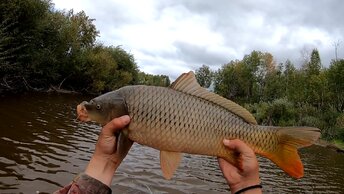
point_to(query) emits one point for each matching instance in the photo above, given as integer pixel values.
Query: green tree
(265, 73)
(105, 69)
(335, 77)
(153, 80)
(7, 55)
(246, 80)
(204, 76)
(314, 66)
(77, 34)
(297, 85)
(127, 70)
(20, 30)
(100, 64)
(289, 74)
(227, 81)
(251, 74)
(279, 112)
(315, 81)
(274, 86)
(41, 45)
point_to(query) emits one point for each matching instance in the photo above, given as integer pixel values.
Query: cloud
(196, 54)
(173, 36)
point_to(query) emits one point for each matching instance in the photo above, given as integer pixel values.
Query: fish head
(102, 109)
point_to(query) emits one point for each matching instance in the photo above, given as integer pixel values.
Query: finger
(238, 146)
(225, 165)
(115, 125)
(228, 170)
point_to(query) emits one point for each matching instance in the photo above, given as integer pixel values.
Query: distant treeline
(42, 48)
(281, 94)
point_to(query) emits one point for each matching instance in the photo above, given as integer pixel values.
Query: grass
(339, 143)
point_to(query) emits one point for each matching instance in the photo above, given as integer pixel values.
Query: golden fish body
(186, 118)
(170, 120)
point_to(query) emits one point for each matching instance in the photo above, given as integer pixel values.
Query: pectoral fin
(123, 145)
(169, 162)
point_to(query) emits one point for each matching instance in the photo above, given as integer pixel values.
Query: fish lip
(82, 112)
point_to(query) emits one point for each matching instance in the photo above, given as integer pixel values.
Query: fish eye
(98, 107)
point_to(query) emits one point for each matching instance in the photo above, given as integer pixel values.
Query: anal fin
(169, 162)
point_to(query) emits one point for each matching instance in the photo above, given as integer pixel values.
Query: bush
(279, 112)
(340, 127)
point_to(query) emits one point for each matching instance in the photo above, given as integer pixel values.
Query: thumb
(115, 125)
(238, 146)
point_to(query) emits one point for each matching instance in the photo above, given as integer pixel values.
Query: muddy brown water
(43, 147)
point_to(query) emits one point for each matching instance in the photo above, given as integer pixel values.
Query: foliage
(204, 76)
(226, 80)
(279, 112)
(154, 80)
(335, 77)
(19, 31)
(313, 67)
(339, 143)
(246, 79)
(42, 47)
(340, 126)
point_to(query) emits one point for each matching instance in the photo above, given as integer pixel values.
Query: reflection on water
(42, 147)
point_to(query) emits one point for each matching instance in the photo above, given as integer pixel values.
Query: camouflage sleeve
(84, 184)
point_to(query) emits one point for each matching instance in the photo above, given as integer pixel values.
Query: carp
(186, 118)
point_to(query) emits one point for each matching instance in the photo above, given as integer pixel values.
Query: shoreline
(51, 89)
(330, 145)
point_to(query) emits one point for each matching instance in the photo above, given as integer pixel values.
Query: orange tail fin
(285, 155)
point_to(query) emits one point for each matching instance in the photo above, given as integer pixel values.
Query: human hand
(106, 157)
(248, 175)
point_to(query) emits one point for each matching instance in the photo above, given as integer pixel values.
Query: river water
(43, 147)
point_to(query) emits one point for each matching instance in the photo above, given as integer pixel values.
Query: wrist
(254, 189)
(87, 184)
(102, 169)
(247, 184)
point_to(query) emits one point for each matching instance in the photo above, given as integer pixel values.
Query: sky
(171, 37)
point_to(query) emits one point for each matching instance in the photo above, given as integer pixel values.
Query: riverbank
(52, 89)
(339, 144)
(336, 145)
(10, 85)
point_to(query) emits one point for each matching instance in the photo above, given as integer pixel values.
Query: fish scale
(186, 118)
(164, 101)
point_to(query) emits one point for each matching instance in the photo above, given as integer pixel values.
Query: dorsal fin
(187, 83)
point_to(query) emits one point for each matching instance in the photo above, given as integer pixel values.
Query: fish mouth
(82, 112)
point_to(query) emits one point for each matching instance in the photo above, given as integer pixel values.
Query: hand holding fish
(107, 157)
(170, 118)
(245, 177)
(186, 118)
